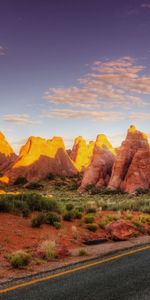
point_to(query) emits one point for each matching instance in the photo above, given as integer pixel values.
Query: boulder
(120, 230)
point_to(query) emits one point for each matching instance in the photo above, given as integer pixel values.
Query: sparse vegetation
(20, 181)
(92, 227)
(89, 218)
(19, 259)
(47, 250)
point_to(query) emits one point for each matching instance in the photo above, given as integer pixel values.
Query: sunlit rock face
(39, 157)
(7, 156)
(131, 158)
(81, 153)
(99, 171)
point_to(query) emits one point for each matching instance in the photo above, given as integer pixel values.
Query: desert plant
(82, 252)
(34, 186)
(51, 218)
(48, 250)
(69, 206)
(38, 220)
(20, 181)
(68, 216)
(19, 259)
(89, 218)
(92, 227)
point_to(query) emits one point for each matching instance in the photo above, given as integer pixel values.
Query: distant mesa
(126, 168)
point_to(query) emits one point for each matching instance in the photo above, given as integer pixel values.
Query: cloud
(18, 119)
(145, 5)
(109, 84)
(140, 116)
(95, 115)
(2, 51)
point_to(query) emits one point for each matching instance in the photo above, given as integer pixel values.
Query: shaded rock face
(138, 175)
(120, 230)
(7, 156)
(81, 153)
(135, 148)
(99, 171)
(39, 157)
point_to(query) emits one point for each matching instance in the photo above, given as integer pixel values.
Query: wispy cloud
(2, 51)
(95, 115)
(145, 5)
(140, 116)
(19, 119)
(109, 84)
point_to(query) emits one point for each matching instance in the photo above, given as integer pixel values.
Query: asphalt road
(126, 277)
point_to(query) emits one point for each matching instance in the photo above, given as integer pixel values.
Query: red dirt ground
(16, 233)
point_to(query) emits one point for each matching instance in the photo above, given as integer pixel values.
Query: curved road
(122, 277)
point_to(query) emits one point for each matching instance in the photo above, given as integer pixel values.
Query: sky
(70, 68)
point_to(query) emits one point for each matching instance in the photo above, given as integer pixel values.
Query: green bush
(89, 218)
(69, 206)
(103, 223)
(19, 259)
(34, 186)
(38, 220)
(82, 252)
(77, 214)
(57, 225)
(92, 227)
(51, 218)
(20, 181)
(50, 176)
(68, 216)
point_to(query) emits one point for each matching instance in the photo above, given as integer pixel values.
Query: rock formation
(131, 167)
(138, 175)
(7, 155)
(99, 171)
(81, 153)
(38, 158)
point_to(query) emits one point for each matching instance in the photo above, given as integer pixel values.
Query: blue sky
(74, 68)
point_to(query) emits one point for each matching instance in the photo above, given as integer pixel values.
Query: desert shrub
(129, 216)
(89, 218)
(111, 218)
(91, 207)
(51, 176)
(5, 206)
(139, 226)
(77, 214)
(82, 252)
(68, 216)
(92, 227)
(34, 186)
(57, 225)
(38, 220)
(51, 218)
(20, 181)
(48, 250)
(73, 186)
(19, 259)
(103, 223)
(69, 206)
